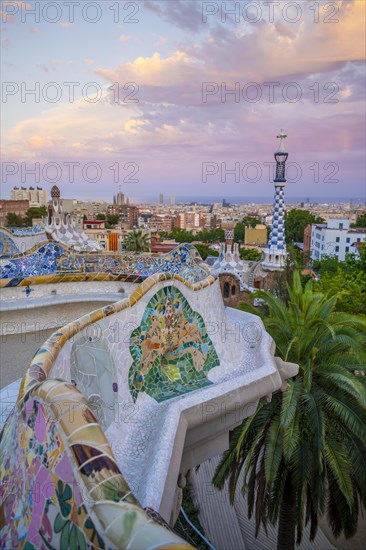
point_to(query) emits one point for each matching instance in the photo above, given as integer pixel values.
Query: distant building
(35, 195)
(94, 224)
(161, 198)
(334, 238)
(255, 235)
(18, 207)
(129, 216)
(78, 208)
(162, 246)
(120, 198)
(161, 222)
(190, 221)
(111, 240)
(211, 221)
(172, 200)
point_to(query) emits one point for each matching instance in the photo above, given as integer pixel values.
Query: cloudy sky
(183, 97)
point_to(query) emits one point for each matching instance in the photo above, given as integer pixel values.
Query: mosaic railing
(45, 357)
(23, 231)
(14, 241)
(61, 485)
(56, 259)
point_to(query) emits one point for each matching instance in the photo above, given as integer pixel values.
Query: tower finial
(281, 136)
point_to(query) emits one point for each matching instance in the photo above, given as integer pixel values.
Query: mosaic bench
(162, 377)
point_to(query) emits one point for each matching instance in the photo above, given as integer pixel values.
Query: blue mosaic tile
(53, 258)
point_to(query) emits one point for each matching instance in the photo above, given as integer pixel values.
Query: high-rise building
(36, 196)
(275, 254)
(172, 200)
(161, 198)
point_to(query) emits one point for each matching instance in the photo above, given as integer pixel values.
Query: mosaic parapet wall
(129, 372)
(60, 484)
(37, 229)
(168, 346)
(53, 260)
(14, 241)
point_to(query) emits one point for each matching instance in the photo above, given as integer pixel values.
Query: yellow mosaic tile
(60, 388)
(57, 410)
(92, 437)
(75, 418)
(44, 388)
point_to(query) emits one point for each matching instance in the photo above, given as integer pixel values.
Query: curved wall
(156, 371)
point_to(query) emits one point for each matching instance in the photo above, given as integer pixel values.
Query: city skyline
(164, 101)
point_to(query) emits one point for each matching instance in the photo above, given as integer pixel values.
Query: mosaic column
(275, 254)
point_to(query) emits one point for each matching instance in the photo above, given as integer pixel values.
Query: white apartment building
(335, 238)
(36, 196)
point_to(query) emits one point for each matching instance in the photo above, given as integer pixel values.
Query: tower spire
(275, 253)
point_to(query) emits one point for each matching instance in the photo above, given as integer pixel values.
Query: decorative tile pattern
(24, 231)
(59, 260)
(23, 239)
(59, 475)
(171, 349)
(7, 246)
(48, 352)
(43, 262)
(41, 499)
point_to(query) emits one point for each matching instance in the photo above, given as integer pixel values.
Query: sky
(183, 97)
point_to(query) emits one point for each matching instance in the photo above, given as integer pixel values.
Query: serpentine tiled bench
(134, 395)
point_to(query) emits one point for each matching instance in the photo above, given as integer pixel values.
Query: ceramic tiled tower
(275, 254)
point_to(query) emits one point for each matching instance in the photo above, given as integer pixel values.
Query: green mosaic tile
(171, 349)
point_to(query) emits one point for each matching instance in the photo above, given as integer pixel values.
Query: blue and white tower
(275, 254)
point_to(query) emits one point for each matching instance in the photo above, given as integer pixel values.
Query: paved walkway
(227, 527)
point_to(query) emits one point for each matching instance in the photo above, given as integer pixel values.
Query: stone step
(218, 518)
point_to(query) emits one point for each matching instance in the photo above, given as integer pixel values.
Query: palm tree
(304, 453)
(137, 241)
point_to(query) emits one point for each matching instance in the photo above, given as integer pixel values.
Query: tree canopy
(34, 212)
(137, 241)
(206, 236)
(211, 236)
(303, 454)
(361, 221)
(250, 254)
(111, 220)
(13, 220)
(295, 222)
(345, 279)
(205, 251)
